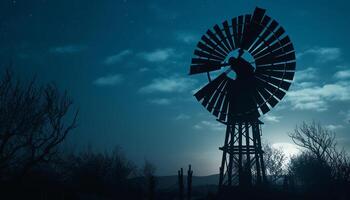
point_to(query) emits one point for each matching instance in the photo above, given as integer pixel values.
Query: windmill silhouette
(250, 64)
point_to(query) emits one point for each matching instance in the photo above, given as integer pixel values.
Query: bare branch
(33, 122)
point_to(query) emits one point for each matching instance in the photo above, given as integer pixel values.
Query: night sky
(126, 62)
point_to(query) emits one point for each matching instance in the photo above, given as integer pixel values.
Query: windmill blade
(196, 69)
(203, 54)
(213, 37)
(271, 58)
(209, 49)
(228, 34)
(212, 45)
(246, 30)
(262, 35)
(222, 37)
(254, 28)
(261, 44)
(272, 101)
(281, 75)
(264, 108)
(208, 90)
(277, 45)
(219, 103)
(205, 66)
(235, 32)
(276, 74)
(224, 112)
(275, 36)
(225, 104)
(218, 92)
(272, 89)
(269, 97)
(240, 29)
(258, 16)
(281, 66)
(276, 82)
(261, 102)
(212, 98)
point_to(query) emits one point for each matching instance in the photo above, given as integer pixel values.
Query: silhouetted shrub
(310, 172)
(100, 173)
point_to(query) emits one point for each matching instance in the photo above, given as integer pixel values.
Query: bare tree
(275, 160)
(315, 138)
(320, 143)
(33, 122)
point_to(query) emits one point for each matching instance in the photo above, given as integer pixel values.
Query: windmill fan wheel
(260, 83)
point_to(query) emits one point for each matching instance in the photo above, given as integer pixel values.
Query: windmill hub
(243, 69)
(256, 88)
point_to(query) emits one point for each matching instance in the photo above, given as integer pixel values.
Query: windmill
(250, 63)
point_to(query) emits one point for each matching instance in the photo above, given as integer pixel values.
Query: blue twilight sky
(125, 64)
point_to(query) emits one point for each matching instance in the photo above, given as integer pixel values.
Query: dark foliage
(98, 173)
(310, 172)
(323, 169)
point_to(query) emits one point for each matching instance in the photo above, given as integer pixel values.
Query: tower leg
(230, 162)
(248, 166)
(242, 153)
(256, 138)
(224, 152)
(261, 155)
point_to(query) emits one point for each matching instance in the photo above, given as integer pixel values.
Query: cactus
(189, 182)
(181, 184)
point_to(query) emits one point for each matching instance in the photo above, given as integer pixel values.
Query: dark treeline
(36, 120)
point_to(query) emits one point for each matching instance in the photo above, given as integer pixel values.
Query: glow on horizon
(288, 149)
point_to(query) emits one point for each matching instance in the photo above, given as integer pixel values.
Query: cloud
(171, 84)
(347, 117)
(272, 118)
(117, 57)
(182, 117)
(68, 49)
(343, 74)
(158, 55)
(304, 85)
(160, 101)
(307, 74)
(109, 80)
(187, 37)
(143, 69)
(333, 127)
(304, 78)
(322, 54)
(209, 125)
(317, 97)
